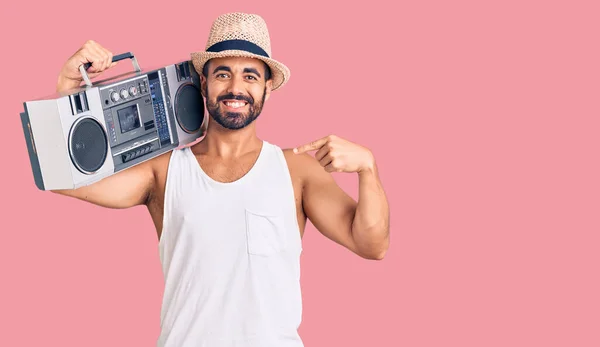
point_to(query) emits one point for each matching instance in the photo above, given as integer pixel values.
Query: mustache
(230, 96)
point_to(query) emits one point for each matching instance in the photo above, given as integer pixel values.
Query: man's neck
(225, 143)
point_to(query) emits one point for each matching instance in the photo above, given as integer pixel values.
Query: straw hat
(241, 35)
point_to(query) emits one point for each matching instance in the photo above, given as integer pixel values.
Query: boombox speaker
(81, 136)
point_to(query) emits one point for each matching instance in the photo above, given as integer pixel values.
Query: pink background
(484, 119)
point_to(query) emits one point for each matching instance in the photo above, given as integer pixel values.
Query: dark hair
(267, 70)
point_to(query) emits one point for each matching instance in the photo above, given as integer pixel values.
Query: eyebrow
(252, 70)
(228, 69)
(222, 68)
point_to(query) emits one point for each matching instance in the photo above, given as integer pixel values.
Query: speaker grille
(189, 108)
(88, 145)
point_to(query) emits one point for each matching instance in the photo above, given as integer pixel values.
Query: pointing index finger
(311, 146)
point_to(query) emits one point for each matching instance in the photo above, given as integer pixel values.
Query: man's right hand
(123, 189)
(90, 52)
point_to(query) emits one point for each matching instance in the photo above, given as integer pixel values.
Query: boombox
(82, 136)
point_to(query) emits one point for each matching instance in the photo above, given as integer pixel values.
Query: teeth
(235, 104)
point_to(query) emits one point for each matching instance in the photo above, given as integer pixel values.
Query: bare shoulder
(303, 166)
(161, 162)
(297, 163)
(159, 166)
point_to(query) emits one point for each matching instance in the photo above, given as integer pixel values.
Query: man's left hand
(338, 155)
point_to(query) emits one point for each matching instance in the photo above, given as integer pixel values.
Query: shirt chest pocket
(265, 233)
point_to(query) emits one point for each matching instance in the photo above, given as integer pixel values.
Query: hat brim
(279, 72)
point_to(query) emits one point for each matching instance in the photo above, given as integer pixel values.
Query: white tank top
(230, 255)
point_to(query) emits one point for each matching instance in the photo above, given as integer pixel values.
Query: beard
(234, 120)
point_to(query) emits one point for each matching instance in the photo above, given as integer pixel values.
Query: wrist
(369, 167)
(65, 84)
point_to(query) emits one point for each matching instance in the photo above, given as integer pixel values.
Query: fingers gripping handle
(83, 68)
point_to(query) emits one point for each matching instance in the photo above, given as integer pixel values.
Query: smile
(234, 104)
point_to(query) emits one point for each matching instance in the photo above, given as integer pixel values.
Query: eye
(252, 77)
(222, 75)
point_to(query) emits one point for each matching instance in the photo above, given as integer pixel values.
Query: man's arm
(371, 225)
(361, 226)
(124, 189)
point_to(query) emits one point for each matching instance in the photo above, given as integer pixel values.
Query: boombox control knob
(124, 93)
(133, 90)
(114, 96)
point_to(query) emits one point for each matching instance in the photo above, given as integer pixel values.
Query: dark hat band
(241, 45)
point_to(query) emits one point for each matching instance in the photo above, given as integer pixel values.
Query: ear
(269, 89)
(203, 85)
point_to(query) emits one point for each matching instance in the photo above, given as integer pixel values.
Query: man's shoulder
(160, 164)
(301, 164)
(294, 159)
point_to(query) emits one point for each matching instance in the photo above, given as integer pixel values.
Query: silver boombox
(99, 129)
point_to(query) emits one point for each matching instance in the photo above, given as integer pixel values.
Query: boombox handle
(83, 68)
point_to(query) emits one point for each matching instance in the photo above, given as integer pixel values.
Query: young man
(230, 211)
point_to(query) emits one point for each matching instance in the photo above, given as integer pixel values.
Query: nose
(236, 86)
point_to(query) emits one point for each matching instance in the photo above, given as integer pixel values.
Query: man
(230, 210)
